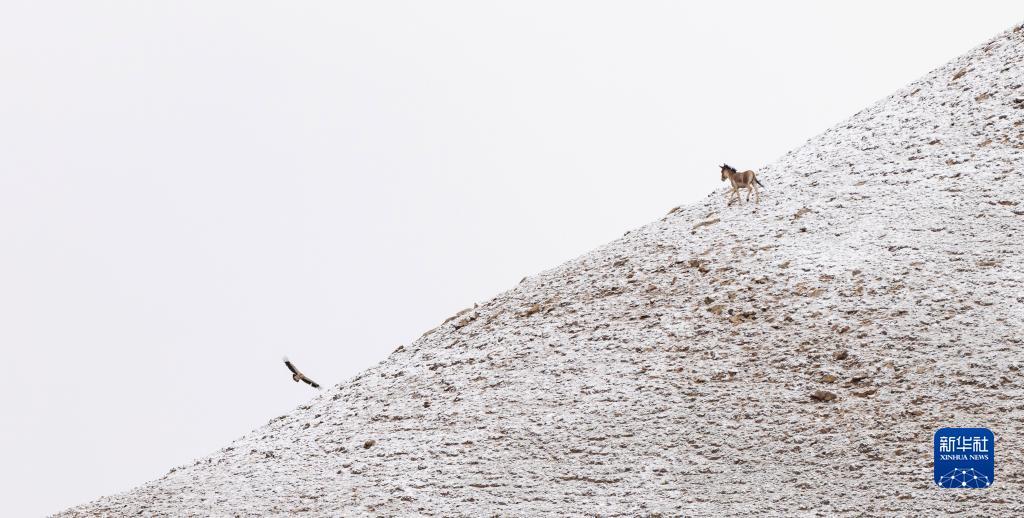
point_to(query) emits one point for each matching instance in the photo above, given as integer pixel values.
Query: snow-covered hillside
(789, 358)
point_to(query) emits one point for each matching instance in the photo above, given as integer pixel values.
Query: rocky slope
(793, 357)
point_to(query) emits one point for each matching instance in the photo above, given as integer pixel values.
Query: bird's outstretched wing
(290, 366)
(311, 382)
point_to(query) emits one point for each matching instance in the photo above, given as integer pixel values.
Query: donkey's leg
(749, 190)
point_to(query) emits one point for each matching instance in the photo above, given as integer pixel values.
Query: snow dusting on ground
(790, 358)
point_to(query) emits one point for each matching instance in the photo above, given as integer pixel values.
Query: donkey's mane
(729, 167)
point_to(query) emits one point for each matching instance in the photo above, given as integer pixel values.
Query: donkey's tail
(758, 181)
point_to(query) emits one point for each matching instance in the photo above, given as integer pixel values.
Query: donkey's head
(726, 170)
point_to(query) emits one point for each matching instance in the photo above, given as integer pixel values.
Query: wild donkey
(745, 180)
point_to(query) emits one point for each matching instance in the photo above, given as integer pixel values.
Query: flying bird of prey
(298, 376)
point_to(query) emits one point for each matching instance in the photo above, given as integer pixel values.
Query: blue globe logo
(964, 478)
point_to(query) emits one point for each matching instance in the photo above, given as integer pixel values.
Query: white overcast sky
(191, 189)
